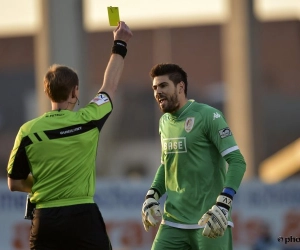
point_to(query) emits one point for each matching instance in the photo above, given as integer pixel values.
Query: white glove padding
(150, 210)
(215, 220)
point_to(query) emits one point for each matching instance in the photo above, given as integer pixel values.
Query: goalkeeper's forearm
(153, 193)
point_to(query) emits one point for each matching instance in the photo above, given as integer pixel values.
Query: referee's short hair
(59, 81)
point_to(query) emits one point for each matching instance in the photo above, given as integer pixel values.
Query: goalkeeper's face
(166, 94)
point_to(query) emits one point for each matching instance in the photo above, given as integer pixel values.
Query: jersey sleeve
(98, 110)
(219, 132)
(18, 165)
(236, 169)
(162, 151)
(159, 180)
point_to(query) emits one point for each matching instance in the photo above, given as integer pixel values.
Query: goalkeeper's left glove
(215, 220)
(151, 209)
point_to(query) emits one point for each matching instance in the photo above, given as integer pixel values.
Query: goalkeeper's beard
(172, 104)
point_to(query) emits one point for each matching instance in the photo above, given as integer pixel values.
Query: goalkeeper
(196, 144)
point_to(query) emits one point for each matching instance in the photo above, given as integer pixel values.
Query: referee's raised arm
(114, 69)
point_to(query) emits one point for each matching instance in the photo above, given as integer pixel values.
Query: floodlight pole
(61, 40)
(162, 53)
(242, 81)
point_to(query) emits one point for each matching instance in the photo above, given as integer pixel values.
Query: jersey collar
(179, 112)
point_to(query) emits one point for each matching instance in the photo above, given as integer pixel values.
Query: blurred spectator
(265, 240)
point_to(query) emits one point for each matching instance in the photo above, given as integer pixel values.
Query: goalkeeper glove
(215, 220)
(151, 209)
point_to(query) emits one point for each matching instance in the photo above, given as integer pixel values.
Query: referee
(53, 158)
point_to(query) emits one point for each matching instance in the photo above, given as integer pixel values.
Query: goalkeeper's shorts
(177, 239)
(70, 227)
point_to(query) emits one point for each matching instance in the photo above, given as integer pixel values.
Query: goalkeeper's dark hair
(175, 73)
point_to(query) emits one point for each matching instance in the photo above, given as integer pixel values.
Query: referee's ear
(73, 93)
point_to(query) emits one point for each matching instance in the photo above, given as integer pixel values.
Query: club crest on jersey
(100, 99)
(189, 123)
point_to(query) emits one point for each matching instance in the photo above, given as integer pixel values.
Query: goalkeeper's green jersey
(194, 141)
(59, 148)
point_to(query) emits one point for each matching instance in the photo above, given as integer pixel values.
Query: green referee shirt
(59, 148)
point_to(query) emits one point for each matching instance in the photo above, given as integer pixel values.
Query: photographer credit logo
(287, 240)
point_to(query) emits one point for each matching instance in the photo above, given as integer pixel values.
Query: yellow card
(113, 15)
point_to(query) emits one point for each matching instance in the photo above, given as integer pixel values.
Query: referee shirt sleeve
(98, 110)
(18, 165)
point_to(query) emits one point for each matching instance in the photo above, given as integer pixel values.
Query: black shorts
(69, 228)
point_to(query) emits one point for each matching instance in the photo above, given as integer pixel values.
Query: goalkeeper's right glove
(151, 209)
(215, 219)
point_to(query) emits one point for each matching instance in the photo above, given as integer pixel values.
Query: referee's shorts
(76, 227)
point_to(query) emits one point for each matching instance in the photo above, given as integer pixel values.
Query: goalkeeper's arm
(215, 219)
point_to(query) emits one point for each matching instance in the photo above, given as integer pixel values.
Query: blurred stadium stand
(134, 122)
(197, 49)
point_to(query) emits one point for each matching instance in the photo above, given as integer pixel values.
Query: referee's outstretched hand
(122, 32)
